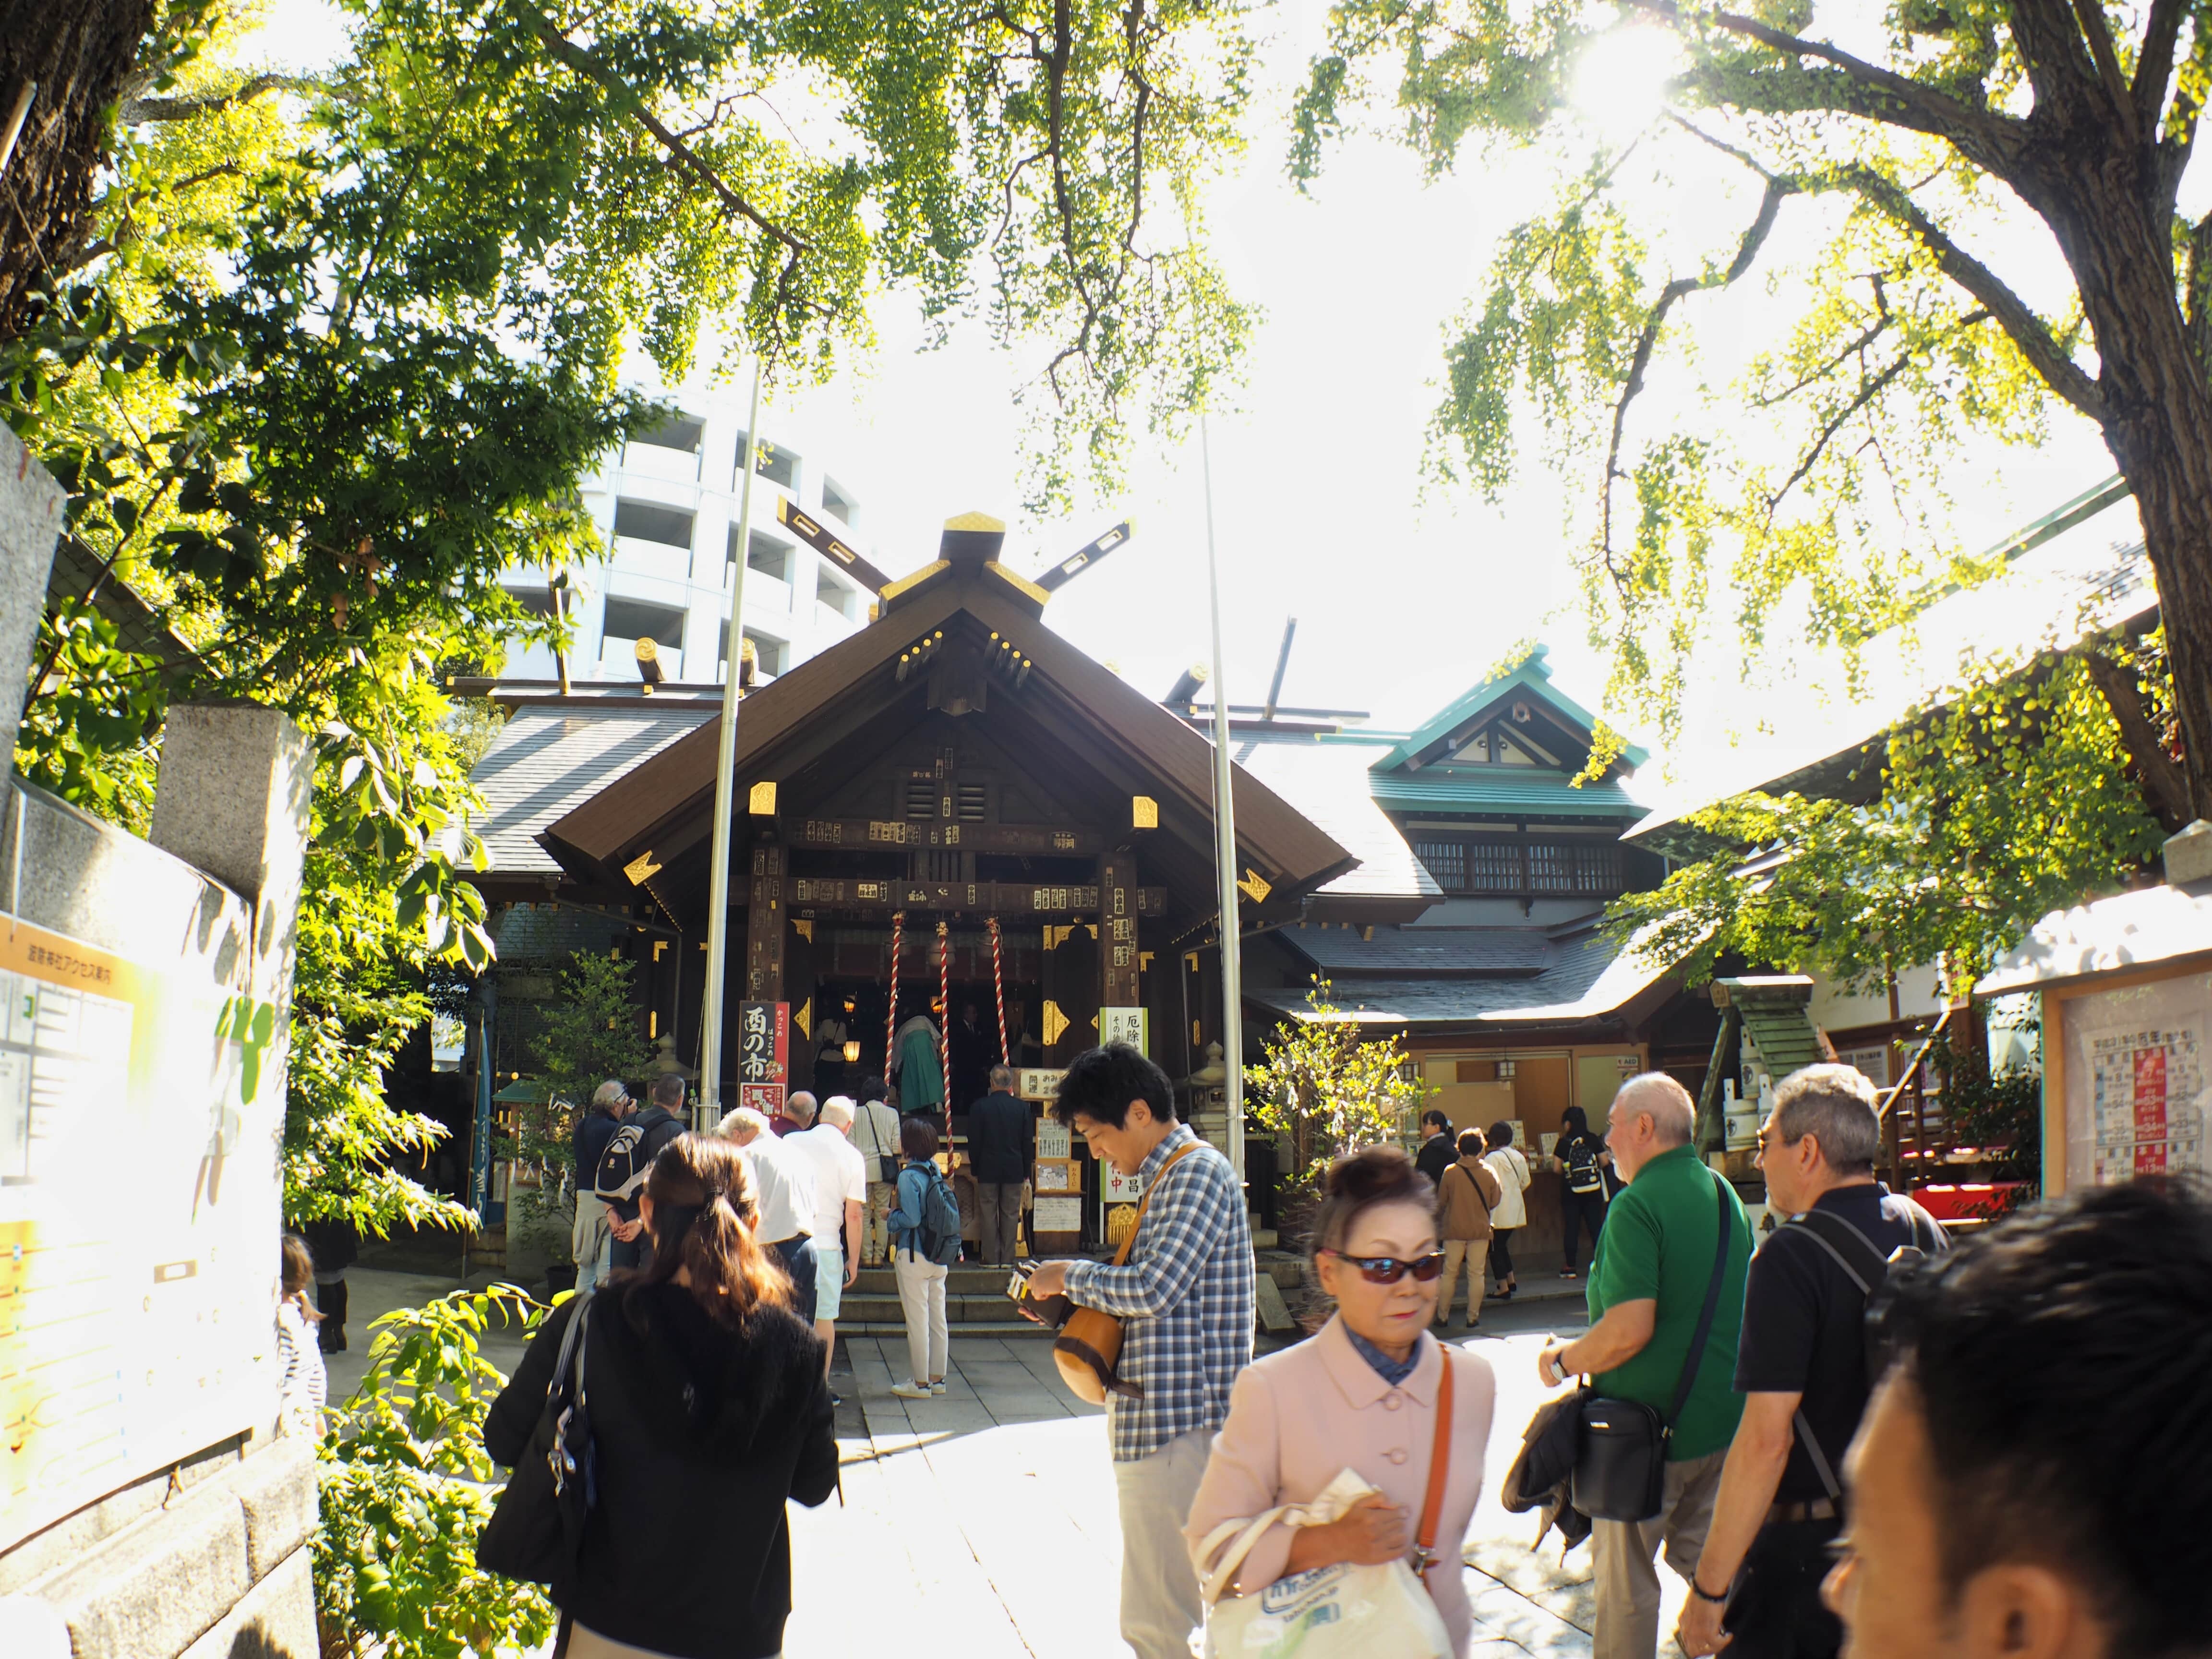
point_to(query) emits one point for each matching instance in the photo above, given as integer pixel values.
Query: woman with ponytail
(708, 1410)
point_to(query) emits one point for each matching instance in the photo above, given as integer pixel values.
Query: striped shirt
(1184, 1298)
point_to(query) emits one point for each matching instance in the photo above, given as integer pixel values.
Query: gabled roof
(547, 761)
(1501, 789)
(1329, 782)
(1531, 677)
(1066, 709)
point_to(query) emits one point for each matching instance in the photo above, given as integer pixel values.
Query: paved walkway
(982, 1523)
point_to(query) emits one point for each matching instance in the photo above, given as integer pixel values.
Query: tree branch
(2154, 63)
(1754, 239)
(2059, 371)
(136, 111)
(2165, 784)
(625, 97)
(1994, 142)
(2090, 15)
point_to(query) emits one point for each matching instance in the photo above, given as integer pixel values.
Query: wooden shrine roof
(1069, 717)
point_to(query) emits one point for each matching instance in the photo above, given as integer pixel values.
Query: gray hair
(837, 1111)
(1835, 1105)
(1673, 1114)
(799, 1108)
(610, 1094)
(1002, 1076)
(745, 1118)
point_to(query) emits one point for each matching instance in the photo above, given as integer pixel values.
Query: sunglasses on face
(1388, 1269)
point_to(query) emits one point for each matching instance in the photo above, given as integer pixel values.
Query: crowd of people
(1874, 1444)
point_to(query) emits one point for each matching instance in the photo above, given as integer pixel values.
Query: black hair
(1436, 1117)
(1500, 1135)
(1100, 1083)
(1573, 1121)
(918, 1138)
(1470, 1143)
(1359, 1181)
(873, 1088)
(668, 1091)
(2060, 1362)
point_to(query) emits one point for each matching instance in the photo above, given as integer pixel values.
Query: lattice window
(1493, 866)
(1446, 862)
(921, 798)
(1550, 867)
(971, 799)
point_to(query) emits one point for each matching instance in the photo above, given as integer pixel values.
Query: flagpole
(1225, 845)
(726, 763)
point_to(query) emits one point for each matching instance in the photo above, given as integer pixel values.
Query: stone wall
(205, 1555)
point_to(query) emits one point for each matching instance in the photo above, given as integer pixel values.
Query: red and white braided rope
(998, 990)
(890, 1003)
(944, 1019)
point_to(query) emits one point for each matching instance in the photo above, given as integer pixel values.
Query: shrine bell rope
(944, 1020)
(998, 990)
(890, 1004)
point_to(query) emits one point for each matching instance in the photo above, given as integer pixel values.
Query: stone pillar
(30, 520)
(232, 800)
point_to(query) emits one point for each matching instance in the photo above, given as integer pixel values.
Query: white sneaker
(911, 1390)
(937, 1386)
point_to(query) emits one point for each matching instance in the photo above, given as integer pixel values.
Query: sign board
(1054, 1139)
(1118, 1189)
(1057, 1175)
(140, 1109)
(763, 1054)
(2137, 1082)
(1128, 1025)
(1037, 1084)
(1058, 1215)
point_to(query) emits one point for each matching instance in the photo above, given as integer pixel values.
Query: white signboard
(1124, 1026)
(1059, 1215)
(1036, 1084)
(1054, 1139)
(1120, 1188)
(2137, 1095)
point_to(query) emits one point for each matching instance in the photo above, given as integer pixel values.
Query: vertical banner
(763, 1054)
(1129, 1025)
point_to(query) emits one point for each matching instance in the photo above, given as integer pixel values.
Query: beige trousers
(1624, 1552)
(921, 1299)
(1474, 1252)
(876, 1226)
(1160, 1603)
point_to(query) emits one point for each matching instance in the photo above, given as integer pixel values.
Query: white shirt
(838, 1172)
(784, 1192)
(1512, 1172)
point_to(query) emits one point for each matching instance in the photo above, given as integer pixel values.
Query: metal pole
(726, 762)
(1225, 845)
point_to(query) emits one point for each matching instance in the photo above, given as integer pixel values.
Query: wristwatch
(1698, 1590)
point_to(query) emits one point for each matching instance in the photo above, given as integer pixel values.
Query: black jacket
(1437, 1154)
(1001, 1135)
(628, 1159)
(699, 1435)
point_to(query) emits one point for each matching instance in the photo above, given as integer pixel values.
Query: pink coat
(1298, 1417)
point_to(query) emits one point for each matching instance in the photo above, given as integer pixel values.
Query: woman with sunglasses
(1361, 1394)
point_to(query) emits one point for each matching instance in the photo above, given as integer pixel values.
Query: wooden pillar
(1117, 931)
(764, 925)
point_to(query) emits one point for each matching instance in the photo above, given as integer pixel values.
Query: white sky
(1318, 484)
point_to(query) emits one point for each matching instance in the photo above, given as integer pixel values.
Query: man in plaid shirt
(1185, 1301)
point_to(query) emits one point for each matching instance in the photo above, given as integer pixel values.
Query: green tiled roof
(1497, 789)
(1532, 677)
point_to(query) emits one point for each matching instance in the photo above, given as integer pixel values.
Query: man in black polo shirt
(1437, 1152)
(1802, 1365)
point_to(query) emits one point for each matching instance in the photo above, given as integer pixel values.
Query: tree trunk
(72, 57)
(2096, 195)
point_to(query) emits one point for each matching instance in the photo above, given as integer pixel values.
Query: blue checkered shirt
(1184, 1298)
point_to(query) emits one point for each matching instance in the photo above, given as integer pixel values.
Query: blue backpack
(938, 1238)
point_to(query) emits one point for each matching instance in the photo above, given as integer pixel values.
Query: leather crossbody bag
(1088, 1350)
(1620, 1457)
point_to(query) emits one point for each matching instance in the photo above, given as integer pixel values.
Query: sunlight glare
(1620, 86)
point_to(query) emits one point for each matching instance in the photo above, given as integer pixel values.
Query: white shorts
(828, 1280)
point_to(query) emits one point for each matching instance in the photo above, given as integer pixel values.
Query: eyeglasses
(1388, 1269)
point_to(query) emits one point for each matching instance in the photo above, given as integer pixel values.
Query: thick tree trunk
(71, 57)
(2095, 194)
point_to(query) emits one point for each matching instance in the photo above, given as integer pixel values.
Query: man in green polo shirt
(1647, 1288)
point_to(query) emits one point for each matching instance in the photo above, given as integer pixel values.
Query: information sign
(763, 1055)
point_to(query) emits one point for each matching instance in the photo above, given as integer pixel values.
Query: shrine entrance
(956, 791)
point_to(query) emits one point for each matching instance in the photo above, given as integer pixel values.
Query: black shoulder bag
(536, 1528)
(1620, 1460)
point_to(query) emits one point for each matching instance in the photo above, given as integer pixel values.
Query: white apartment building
(666, 507)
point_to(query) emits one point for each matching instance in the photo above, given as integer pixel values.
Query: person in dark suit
(1001, 1150)
(1437, 1151)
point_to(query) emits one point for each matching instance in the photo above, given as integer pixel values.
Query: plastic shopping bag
(1339, 1611)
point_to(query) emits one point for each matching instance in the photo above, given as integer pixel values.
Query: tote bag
(538, 1525)
(1344, 1611)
